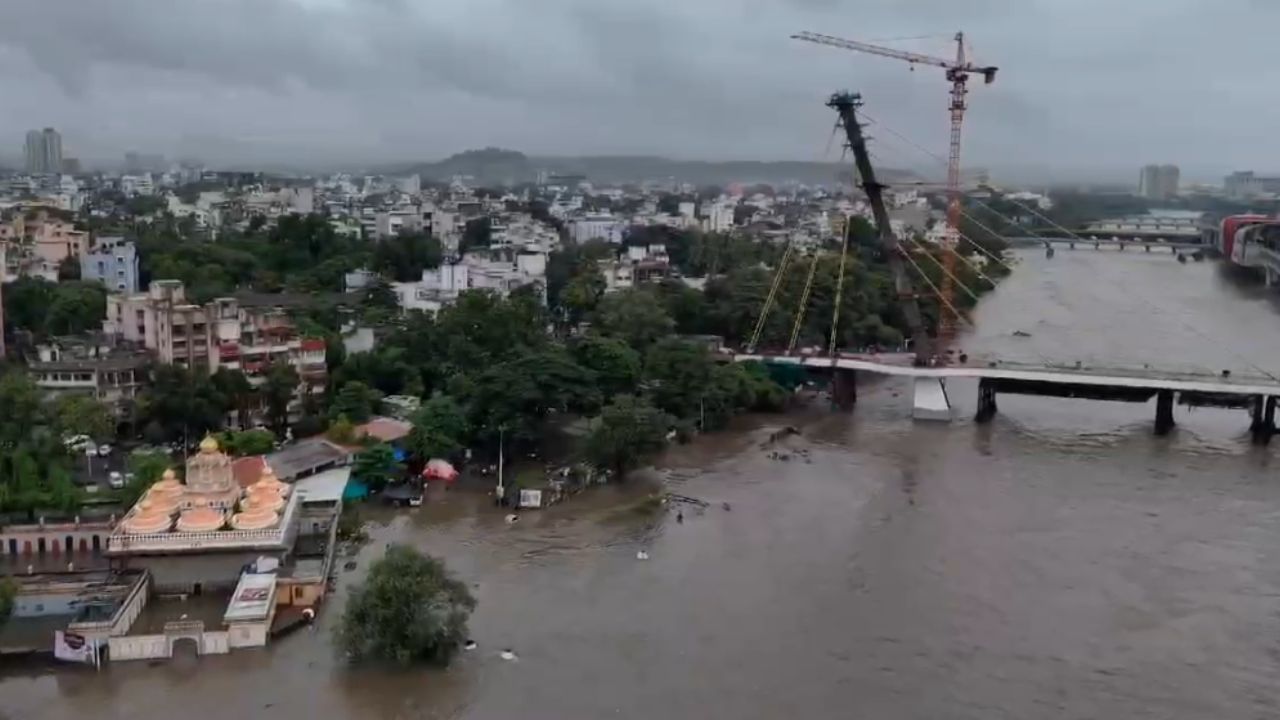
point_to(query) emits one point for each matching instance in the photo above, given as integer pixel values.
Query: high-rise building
(1247, 184)
(44, 152)
(34, 154)
(52, 150)
(1158, 182)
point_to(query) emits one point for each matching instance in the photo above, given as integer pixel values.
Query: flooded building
(220, 556)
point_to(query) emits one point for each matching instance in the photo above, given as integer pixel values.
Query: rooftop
(384, 429)
(253, 598)
(306, 458)
(324, 487)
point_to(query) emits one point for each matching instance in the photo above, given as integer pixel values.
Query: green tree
(342, 431)
(409, 609)
(247, 442)
(616, 365)
(405, 256)
(582, 294)
(8, 598)
(356, 401)
(23, 409)
(77, 307)
(69, 269)
(376, 466)
(146, 469)
(634, 316)
(46, 308)
(628, 432)
(181, 404)
(26, 303)
(83, 415)
(439, 429)
(277, 393)
(477, 233)
(679, 376)
(238, 392)
(519, 394)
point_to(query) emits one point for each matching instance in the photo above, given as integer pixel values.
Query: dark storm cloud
(1083, 83)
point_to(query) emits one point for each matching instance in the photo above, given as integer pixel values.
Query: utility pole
(847, 104)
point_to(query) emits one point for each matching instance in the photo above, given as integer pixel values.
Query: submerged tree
(409, 609)
(627, 433)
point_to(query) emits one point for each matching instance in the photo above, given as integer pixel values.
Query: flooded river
(1060, 562)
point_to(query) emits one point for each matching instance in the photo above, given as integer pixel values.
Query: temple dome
(200, 519)
(146, 523)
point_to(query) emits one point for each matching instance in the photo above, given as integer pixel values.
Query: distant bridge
(1172, 246)
(1258, 394)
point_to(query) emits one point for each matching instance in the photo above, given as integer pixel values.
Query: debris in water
(679, 517)
(642, 555)
(469, 645)
(512, 518)
(726, 506)
(1021, 333)
(507, 654)
(349, 565)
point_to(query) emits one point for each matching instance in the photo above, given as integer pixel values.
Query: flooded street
(1060, 562)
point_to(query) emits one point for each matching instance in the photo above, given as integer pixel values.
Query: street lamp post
(499, 492)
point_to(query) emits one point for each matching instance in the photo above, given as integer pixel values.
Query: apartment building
(246, 334)
(97, 365)
(38, 242)
(113, 261)
(163, 321)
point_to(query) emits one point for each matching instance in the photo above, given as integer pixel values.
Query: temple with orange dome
(201, 531)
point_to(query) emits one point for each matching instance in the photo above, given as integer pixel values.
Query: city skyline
(325, 81)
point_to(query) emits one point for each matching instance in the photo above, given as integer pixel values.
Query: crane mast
(958, 72)
(847, 104)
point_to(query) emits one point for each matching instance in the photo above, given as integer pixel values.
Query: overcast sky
(1084, 84)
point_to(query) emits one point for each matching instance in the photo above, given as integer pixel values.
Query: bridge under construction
(931, 364)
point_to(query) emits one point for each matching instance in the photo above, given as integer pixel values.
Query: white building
(411, 185)
(719, 217)
(301, 200)
(137, 184)
(688, 211)
(601, 226)
(442, 286)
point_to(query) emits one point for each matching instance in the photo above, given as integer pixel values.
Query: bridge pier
(844, 388)
(986, 401)
(1164, 412)
(1264, 419)
(930, 401)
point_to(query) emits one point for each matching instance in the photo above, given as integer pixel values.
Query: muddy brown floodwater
(1060, 562)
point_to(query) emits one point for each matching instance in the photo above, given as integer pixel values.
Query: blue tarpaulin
(355, 490)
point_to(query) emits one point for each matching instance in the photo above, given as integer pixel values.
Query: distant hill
(508, 167)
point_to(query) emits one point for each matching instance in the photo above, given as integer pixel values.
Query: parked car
(104, 450)
(77, 443)
(115, 480)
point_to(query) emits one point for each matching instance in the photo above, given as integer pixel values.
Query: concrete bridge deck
(1086, 241)
(901, 364)
(1258, 393)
